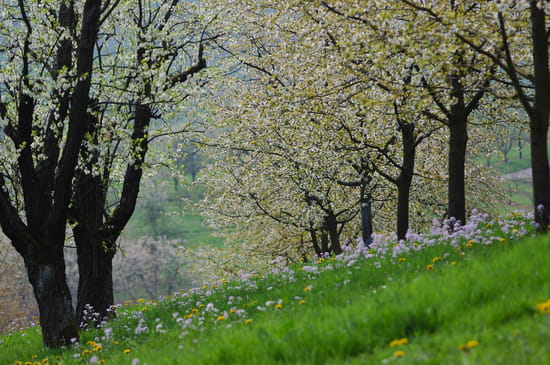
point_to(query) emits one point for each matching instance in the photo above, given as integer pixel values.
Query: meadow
(478, 295)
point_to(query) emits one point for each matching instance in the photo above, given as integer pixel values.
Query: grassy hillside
(478, 296)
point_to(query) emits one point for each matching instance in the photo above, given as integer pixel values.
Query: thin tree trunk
(404, 180)
(366, 216)
(458, 140)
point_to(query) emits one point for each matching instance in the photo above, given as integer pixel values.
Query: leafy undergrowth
(478, 296)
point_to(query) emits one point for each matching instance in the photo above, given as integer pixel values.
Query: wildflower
(469, 244)
(308, 288)
(436, 259)
(502, 239)
(453, 263)
(220, 318)
(141, 301)
(233, 310)
(91, 343)
(194, 310)
(115, 342)
(85, 352)
(544, 307)
(472, 343)
(126, 351)
(402, 259)
(399, 342)
(278, 306)
(429, 267)
(97, 347)
(45, 361)
(302, 302)
(247, 321)
(399, 353)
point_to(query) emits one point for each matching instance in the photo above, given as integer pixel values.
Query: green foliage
(474, 303)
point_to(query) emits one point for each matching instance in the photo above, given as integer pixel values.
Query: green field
(480, 297)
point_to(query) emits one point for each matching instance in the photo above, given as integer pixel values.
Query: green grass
(354, 309)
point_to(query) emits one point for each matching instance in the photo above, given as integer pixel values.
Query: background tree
(144, 76)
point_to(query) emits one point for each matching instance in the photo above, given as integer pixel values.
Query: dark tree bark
(458, 140)
(539, 115)
(404, 180)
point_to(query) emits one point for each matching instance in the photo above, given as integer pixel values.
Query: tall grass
(475, 296)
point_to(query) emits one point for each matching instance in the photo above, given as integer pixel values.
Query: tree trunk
(366, 216)
(539, 117)
(458, 139)
(95, 284)
(53, 297)
(404, 180)
(332, 227)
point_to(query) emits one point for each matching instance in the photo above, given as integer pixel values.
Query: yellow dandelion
(91, 343)
(453, 263)
(544, 307)
(302, 302)
(429, 267)
(278, 306)
(204, 287)
(232, 311)
(308, 288)
(18, 362)
(471, 344)
(141, 301)
(220, 318)
(502, 239)
(436, 259)
(399, 342)
(85, 352)
(247, 321)
(28, 362)
(97, 348)
(399, 353)
(45, 361)
(402, 259)
(34, 357)
(194, 310)
(126, 351)
(115, 342)
(461, 347)
(201, 305)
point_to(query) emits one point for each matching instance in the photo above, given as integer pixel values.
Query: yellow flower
(544, 307)
(34, 357)
(436, 259)
(470, 243)
(308, 288)
(126, 352)
(97, 348)
(453, 263)
(247, 321)
(232, 311)
(429, 267)
(502, 239)
(399, 353)
(220, 318)
(18, 363)
(278, 306)
(91, 343)
(204, 287)
(472, 343)
(85, 352)
(141, 301)
(402, 259)
(194, 310)
(45, 361)
(399, 342)
(302, 302)
(115, 342)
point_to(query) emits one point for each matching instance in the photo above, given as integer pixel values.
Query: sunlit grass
(481, 302)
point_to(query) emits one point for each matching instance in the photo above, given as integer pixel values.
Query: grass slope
(459, 302)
